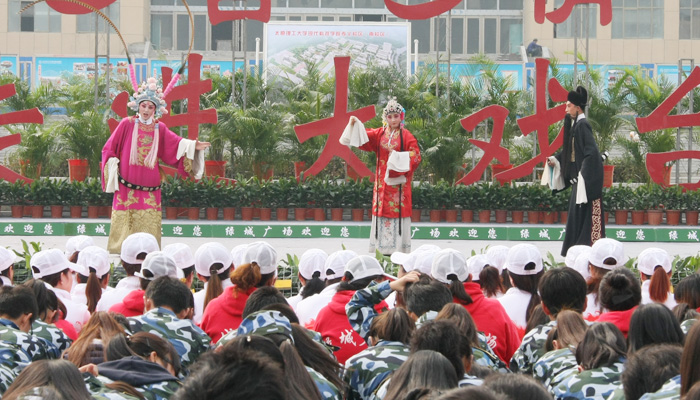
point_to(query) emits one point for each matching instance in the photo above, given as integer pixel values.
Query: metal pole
(257, 55)
(108, 66)
(415, 56)
(233, 62)
(448, 43)
(588, 34)
(437, 57)
(97, 63)
(244, 47)
(576, 21)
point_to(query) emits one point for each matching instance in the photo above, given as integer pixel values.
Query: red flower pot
(212, 213)
(193, 213)
(673, 217)
(358, 214)
(93, 211)
(76, 211)
(300, 214)
(247, 213)
(336, 214)
(170, 212)
(484, 216)
(56, 211)
(434, 215)
(450, 215)
(637, 217)
(517, 216)
(621, 217)
(691, 217)
(319, 214)
(78, 170)
(17, 211)
(282, 214)
(549, 217)
(533, 217)
(415, 215)
(468, 216)
(265, 214)
(501, 216)
(229, 213)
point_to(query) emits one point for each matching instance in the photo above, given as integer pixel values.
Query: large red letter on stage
(217, 16)
(420, 11)
(562, 13)
(32, 116)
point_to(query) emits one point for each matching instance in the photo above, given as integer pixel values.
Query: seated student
(525, 268)
(134, 250)
(307, 309)
(53, 267)
(332, 322)
(572, 255)
(424, 369)
(224, 313)
(213, 263)
(619, 296)
(655, 270)
(650, 368)
(389, 336)
(241, 375)
(516, 387)
(166, 303)
(686, 315)
(184, 260)
(450, 268)
(687, 291)
(488, 276)
(606, 254)
(17, 312)
(90, 287)
(145, 362)
(561, 343)
(7, 269)
(690, 361)
(312, 275)
(653, 324)
(89, 347)
(47, 313)
(76, 244)
(560, 289)
(60, 376)
(600, 356)
(156, 264)
(497, 258)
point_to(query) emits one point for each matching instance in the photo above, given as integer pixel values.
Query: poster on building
(56, 70)
(291, 48)
(8, 65)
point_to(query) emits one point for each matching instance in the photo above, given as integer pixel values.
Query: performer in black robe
(582, 169)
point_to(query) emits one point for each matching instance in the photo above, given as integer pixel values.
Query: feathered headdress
(149, 91)
(393, 107)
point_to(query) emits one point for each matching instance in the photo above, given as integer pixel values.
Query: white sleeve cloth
(187, 148)
(354, 134)
(552, 175)
(581, 197)
(111, 172)
(399, 161)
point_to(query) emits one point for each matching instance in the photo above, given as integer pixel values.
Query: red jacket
(333, 325)
(620, 319)
(224, 313)
(491, 318)
(132, 305)
(67, 328)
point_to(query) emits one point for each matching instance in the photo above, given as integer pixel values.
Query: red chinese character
(217, 16)
(335, 125)
(660, 119)
(67, 7)
(420, 11)
(540, 122)
(32, 116)
(560, 14)
(492, 149)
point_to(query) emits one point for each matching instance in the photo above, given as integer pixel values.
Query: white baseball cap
(263, 254)
(94, 257)
(449, 262)
(423, 263)
(581, 264)
(209, 254)
(651, 258)
(237, 254)
(52, 261)
(573, 253)
(158, 264)
(181, 253)
(313, 260)
(497, 256)
(336, 263)
(476, 264)
(78, 243)
(364, 266)
(604, 249)
(137, 243)
(7, 258)
(524, 259)
(407, 260)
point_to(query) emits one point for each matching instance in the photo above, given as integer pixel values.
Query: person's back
(534, 49)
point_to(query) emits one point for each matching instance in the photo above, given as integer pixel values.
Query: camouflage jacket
(9, 369)
(365, 371)
(188, 339)
(360, 309)
(328, 390)
(670, 390)
(531, 349)
(486, 357)
(32, 348)
(597, 383)
(52, 334)
(552, 367)
(687, 324)
(156, 391)
(99, 391)
(470, 380)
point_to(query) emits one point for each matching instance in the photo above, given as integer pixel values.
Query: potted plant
(247, 194)
(76, 198)
(283, 187)
(211, 197)
(656, 203)
(299, 200)
(356, 199)
(267, 198)
(230, 200)
(517, 203)
(191, 198)
(534, 203)
(674, 204)
(83, 134)
(548, 205)
(465, 199)
(335, 194)
(501, 199)
(692, 205)
(93, 194)
(58, 189)
(418, 202)
(172, 194)
(16, 195)
(484, 204)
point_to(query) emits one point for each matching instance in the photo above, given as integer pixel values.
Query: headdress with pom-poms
(149, 91)
(393, 107)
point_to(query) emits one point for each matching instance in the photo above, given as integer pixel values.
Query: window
(574, 26)
(38, 18)
(689, 23)
(86, 22)
(638, 19)
(303, 3)
(336, 4)
(162, 31)
(511, 35)
(369, 4)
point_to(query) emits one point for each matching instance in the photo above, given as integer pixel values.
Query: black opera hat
(578, 97)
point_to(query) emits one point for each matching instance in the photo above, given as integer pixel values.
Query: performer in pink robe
(130, 165)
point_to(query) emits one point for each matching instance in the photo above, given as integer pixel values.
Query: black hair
(313, 285)
(440, 336)
(315, 356)
(619, 290)
(602, 346)
(563, 288)
(424, 369)
(188, 271)
(528, 283)
(52, 279)
(683, 312)
(491, 282)
(17, 301)
(516, 387)
(653, 323)
(131, 269)
(262, 297)
(426, 295)
(357, 284)
(688, 291)
(394, 325)
(60, 375)
(142, 344)
(537, 317)
(649, 368)
(169, 292)
(46, 299)
(471, 393)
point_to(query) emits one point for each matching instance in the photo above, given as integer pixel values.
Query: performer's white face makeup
(572, 110)
(146, 110)
(394, 120)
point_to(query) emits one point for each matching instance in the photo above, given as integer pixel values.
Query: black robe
(585, 223)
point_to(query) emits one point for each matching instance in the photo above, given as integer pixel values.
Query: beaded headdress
(149, 91)
(393, 107)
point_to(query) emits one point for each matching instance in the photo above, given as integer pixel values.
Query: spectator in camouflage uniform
(648, 369)
(516, 387)
(89, 348)
(653, 324)
(9, 369)
(47, 306)
(59, 375)
(17, 312)
(560, 289)
(601, 357)
(570, 329)
(167, 300)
